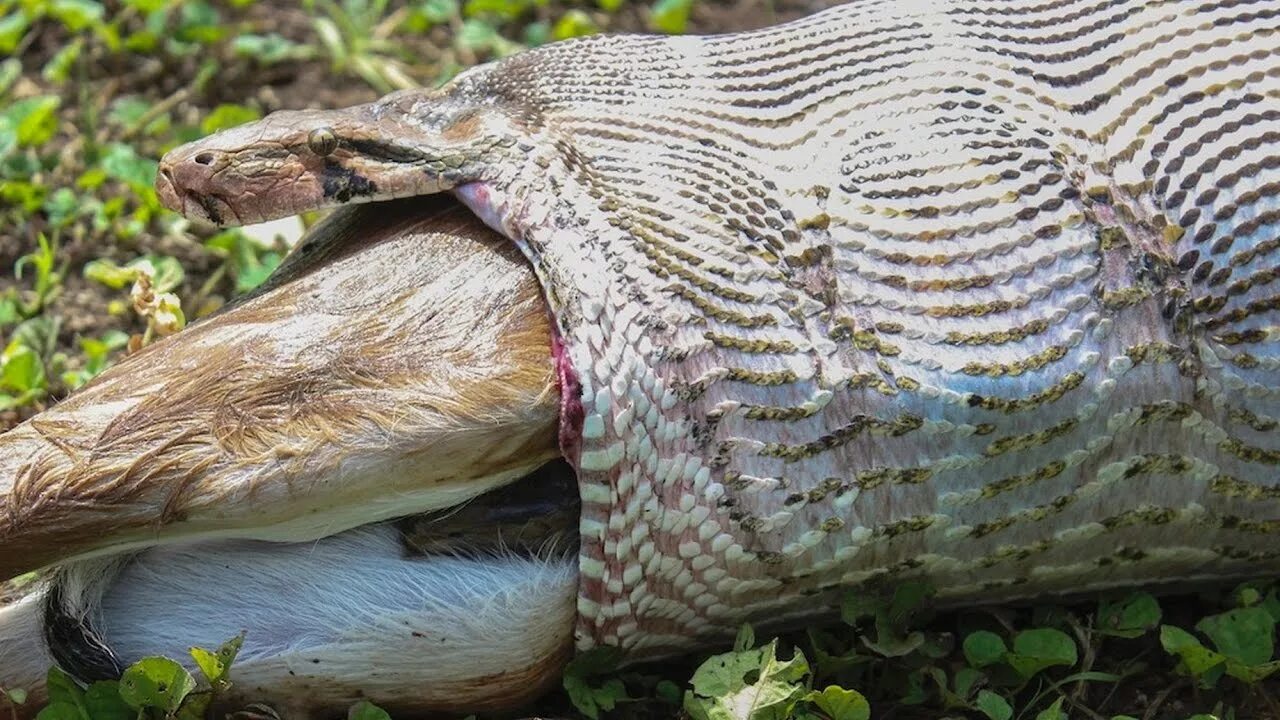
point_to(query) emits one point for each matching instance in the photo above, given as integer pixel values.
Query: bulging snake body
(972, 291)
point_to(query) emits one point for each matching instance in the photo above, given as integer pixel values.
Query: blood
(571, 411)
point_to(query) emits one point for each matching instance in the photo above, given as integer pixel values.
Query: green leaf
(1197, 660)
(121, 162)
(1053, 712)
(965, 681)
(670, 16)
(58, 69)
(1035, 650)
(62, 690)
(102, 700)
(590, 698)
(17, 696)
(503, 10)
(156, 682)
(34, 120)
(610, 6)
(108, 273)
(994, 706)
(747, 685)
(215, 665)
(21, 369)
(438, 11)
(840, 704)
(983, 648)
(60, 710)
(199, 22)
(13, 27)
(476, 36)
(1129, 617)
(269, 49)
(226, 116)
(572, 24)
(1243, 634)
(365, 710)
(77, 15)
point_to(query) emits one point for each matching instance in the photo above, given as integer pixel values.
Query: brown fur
(388, 371)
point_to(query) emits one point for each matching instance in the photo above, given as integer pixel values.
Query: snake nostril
(205, 158)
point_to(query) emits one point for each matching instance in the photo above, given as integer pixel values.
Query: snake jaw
(196, 206)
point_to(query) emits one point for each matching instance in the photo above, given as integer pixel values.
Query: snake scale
(977, 292)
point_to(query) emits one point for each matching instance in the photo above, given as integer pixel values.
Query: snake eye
(322, 141)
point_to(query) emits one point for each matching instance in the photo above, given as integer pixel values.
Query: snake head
(408, 143)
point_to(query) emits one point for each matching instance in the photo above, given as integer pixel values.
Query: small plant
(1241, 642)
(356, 36)
(150, 689)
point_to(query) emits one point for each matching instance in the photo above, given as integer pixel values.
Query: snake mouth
(192, 204)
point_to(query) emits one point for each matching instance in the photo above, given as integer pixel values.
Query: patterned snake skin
(972, 291)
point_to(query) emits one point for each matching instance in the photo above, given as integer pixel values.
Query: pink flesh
(571, 412)
(487, 206)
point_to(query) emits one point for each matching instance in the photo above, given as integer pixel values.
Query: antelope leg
(399, 362)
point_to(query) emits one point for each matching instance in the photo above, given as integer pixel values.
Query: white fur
(326, 622)
(24, 659)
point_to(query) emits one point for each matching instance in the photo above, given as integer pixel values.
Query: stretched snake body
(971, 291)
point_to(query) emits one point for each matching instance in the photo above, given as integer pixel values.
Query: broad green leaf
(1197, 659)
(1035, 650)
(476, 36)
(156, 682)
(994, 706)
(13, 27)
(365, 710)
(908, 597)
(1243, 634)
(983, 648)
(572, 24)
(590, 698)
(21, 369)
(60, 688)
(102, 700)
(76, 15)
(670, 16)
(1053, 712)
(1129, 617)
(148, 7)
(60, 710)
(270, 48)
(966, 679)
(505, 10)
(226, 116)
(840, 704)
(746, 685)
(34, 120)
(438, 11)
(121, 162)
(200, 22)
(855, 607)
